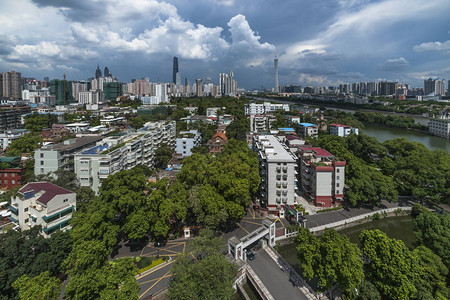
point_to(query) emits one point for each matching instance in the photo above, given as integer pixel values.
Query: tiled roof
(339, 125)
(318, 151)
(219, 134)
(50, 190)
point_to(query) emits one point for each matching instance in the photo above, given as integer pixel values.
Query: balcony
(57, 215)
(13, 209)
(12, 219)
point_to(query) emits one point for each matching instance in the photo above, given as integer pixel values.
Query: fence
(342, 222)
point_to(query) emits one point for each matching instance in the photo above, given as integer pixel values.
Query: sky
(318, 43)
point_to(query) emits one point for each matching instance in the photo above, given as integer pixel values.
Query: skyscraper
(175, 69)
(199, 87)
(11, 85)
(106, 73)
(98, 72)
(434, 86)
(275, 62)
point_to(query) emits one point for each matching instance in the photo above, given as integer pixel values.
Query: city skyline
(317, 44)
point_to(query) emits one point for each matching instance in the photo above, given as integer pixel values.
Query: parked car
(250, 254)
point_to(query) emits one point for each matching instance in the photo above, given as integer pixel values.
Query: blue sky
(323, 42)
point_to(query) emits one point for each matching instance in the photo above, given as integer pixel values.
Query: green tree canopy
(42, 286)
(389, 265)
(203, 272)
(331, 258)
(27, 143)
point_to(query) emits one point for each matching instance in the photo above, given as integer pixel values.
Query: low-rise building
(44, 204)
(11, 172)
(78, 127)
(8, 136)
(440, 126)
(217, 142)
(342, 130)
(261, 123)
(308, 129)
(322, 176)
(277, 167)
(266, 107)
(187, 140)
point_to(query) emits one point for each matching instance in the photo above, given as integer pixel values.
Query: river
(382, 134)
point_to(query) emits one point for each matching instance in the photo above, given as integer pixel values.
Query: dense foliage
(42, 286)
(27, 143)
(28, 253)
(377, 171)
(36, 122)
(203, 272)
(331, 258)
(433, 231)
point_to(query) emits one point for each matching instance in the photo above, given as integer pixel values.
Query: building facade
(217, 142)
(308, 129)
(187, 140)
(277, 167)
(322, 176)
(44, 204)
(50, 158)
(440, 126)
(266, 107)
(11, 85)
(342, 130)
(117, 153)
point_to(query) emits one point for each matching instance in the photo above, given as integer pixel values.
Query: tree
(162, 155)
(42, 286)
(431, 282)
(368, 291)
(389, 265)
(433, 231)
(27, 143)
(63, 178)
(36, 122)
(331, 258)
(209, 275)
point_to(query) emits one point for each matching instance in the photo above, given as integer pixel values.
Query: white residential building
(117, 153)
(52, 157)
(278, 173)
(440, 126)
(342, 130)
(308, 129)
(266, 107)
(7, 137)
(44, 204)
(187, 140)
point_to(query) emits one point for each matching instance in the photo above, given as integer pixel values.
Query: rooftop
(318, 151)
(74, 143)
(274, 151)
(49, 190)
(307, 124)
(339, 125)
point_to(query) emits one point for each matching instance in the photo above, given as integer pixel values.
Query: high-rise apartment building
(227, 84)
(434, 87)
(198, 87)
(98, 72)
(175, 69)
(275, 62)
(11, 82)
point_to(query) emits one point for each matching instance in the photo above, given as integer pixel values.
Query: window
(42, 170)
(5, 181)
(65, 200)
(13, 175)
(42, 155)
(13, 182)
(338, 170)
(42, 162)
(337, 191)
(337, 184)
(26, 220)
(337, 177)
(25, 209)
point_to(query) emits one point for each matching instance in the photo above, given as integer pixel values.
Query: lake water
(400, 228)
(382, 134)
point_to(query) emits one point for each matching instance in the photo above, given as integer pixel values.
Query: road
(275, 280)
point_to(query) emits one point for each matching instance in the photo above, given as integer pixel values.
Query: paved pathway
(273, 278)
(343, 214)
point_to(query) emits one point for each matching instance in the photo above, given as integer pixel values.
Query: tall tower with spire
(275, 62)
(98, 72)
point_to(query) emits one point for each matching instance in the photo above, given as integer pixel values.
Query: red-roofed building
(45, 204)
(217, 142)
(322, 176)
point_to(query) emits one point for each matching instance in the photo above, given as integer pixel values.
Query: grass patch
(146, 263)
(330, 209)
